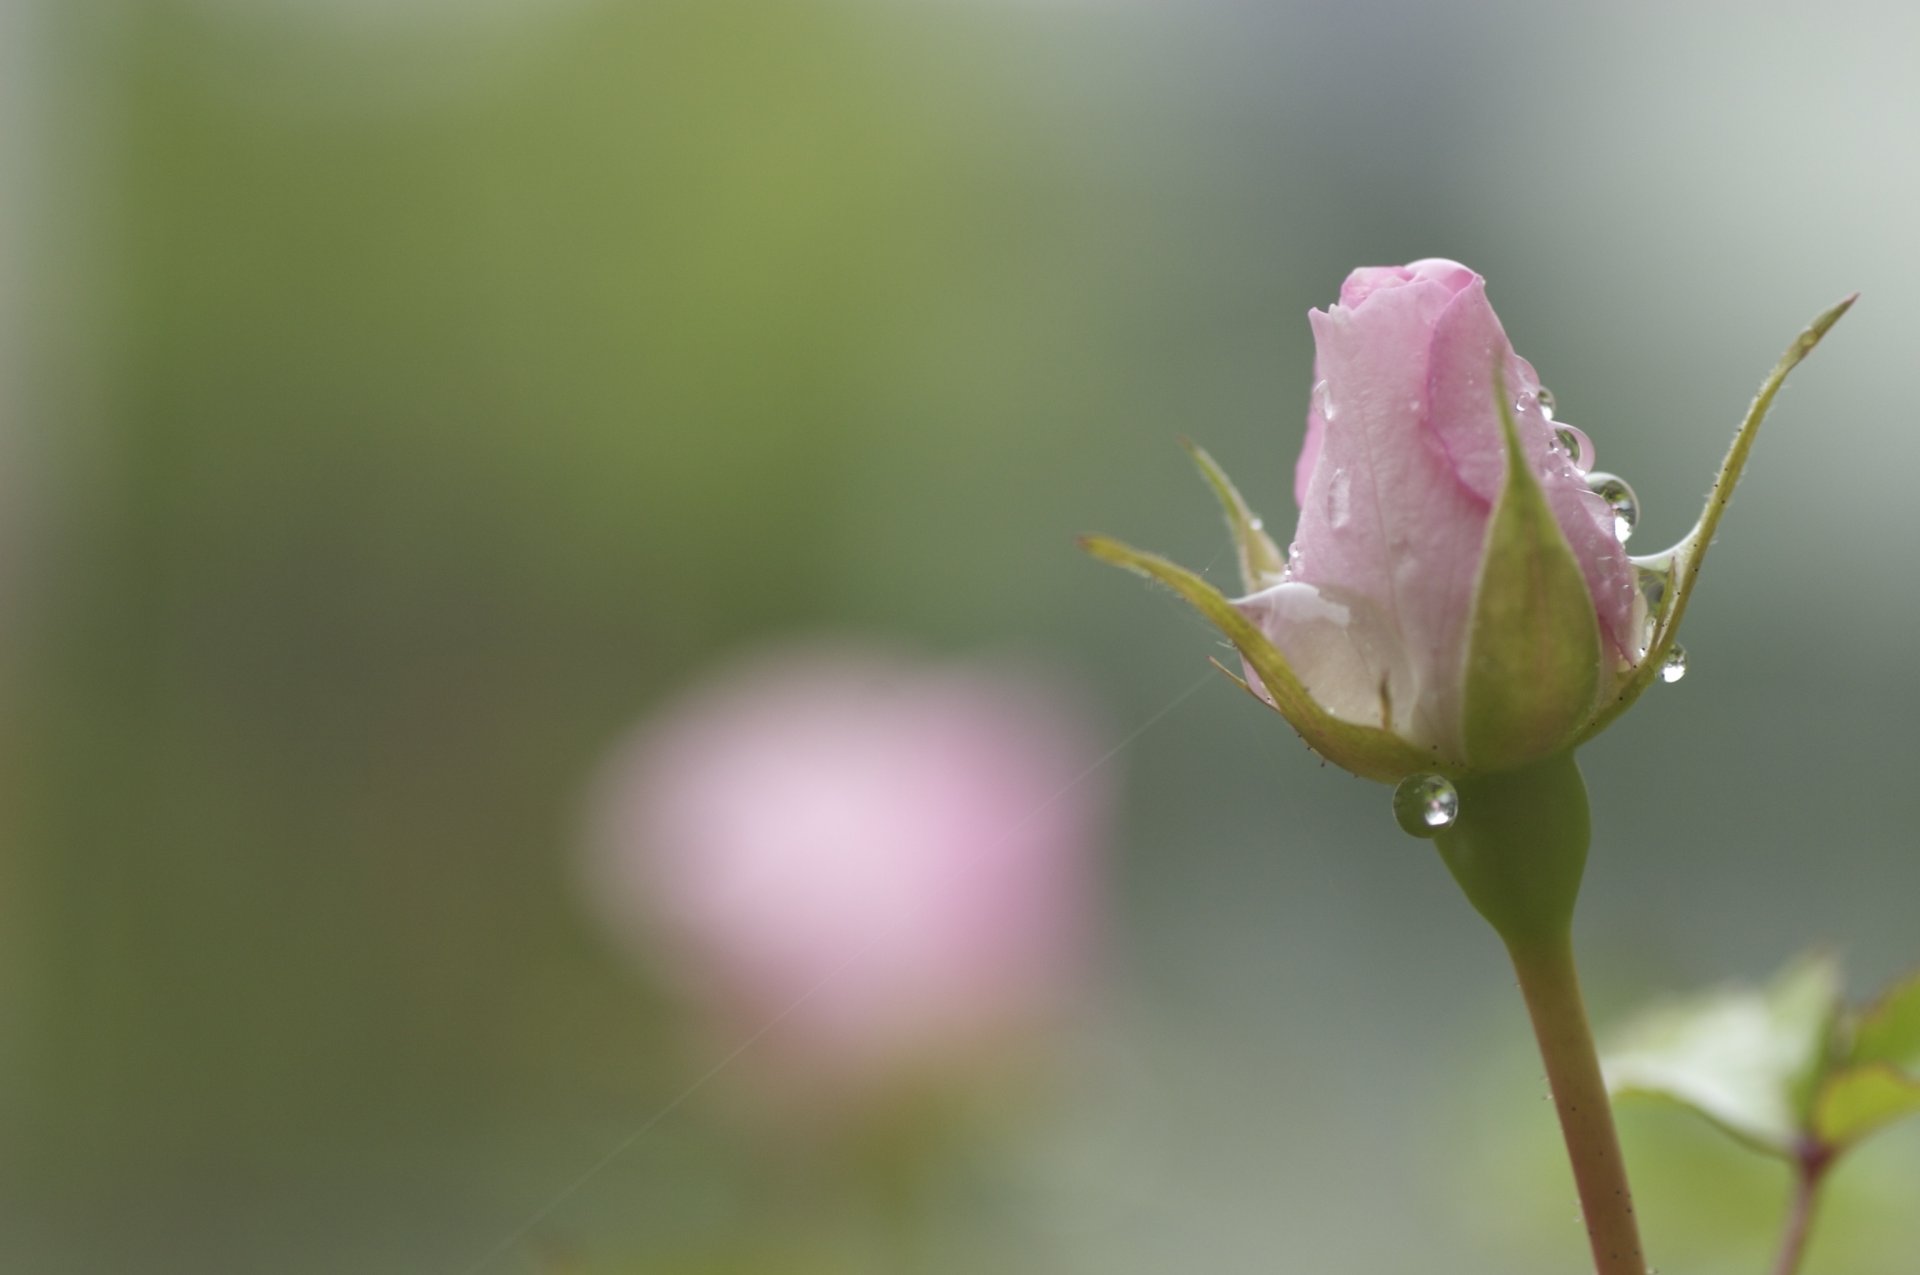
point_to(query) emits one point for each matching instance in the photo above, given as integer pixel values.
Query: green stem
(1518, 850)
(1551, 986)
(1809, 1171)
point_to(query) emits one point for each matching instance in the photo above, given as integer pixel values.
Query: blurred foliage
(1750, 1061)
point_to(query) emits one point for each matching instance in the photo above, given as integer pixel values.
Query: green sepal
(1367, 751)
(1749, 1061)
(1533, 649)
(1261, 562)
(1680, 565)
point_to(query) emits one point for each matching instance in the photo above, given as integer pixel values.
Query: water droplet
(1256, 523)
(1653, 583)
(1653, 580)
(1574, 444)
(1675, 666)
(1340, 499)
(1543, 394)
(1620, 498)
(1323, 401)
(1425, 805)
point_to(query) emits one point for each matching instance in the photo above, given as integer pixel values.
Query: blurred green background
(401, 398)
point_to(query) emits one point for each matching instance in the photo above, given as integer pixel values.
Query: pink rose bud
(1404, 462)
(1457, 598)
(882, 873)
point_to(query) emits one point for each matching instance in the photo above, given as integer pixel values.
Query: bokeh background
(400, 398)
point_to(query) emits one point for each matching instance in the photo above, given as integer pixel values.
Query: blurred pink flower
(887, 867)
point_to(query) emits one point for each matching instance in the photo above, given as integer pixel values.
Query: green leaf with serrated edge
(1533, 653)
(1684, 559)
(1888, 1031)
(1261, 562)
(1367, 751)
(1745, 1059)
(1857, 1101)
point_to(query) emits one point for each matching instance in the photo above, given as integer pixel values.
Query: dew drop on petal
(1425, 805)
(1675, 665)
(1543, 395)
(1323, 401)
(1620, 498)
(1574, 443)
(1340, 499)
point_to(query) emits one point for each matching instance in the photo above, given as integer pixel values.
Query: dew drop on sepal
(1674, 667)
(1620, 499)
(1425, 805)
(1653, 581)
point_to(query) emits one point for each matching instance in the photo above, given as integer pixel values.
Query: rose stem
(1809, 1171)
(1518, 850)
(1552, 990)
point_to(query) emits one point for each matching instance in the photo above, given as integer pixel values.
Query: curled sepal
(1533, 651)
(1261, 562)
(1750, 1061)
(1365, 750)
(1667, 578)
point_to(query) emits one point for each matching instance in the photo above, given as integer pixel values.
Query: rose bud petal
(1405, 461)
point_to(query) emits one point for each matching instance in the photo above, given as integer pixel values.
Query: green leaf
(1881, 1081)
(1858, 1101)
(1745, 1059)
(1261, 562)
(1680, 565)
(1367, 751)
(1889, 1030)
(1533, 655)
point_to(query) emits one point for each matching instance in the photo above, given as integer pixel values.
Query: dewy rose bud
(1457, 597)
(882, 872)
(1455, 615)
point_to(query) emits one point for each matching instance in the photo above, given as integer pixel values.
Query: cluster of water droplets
(1653, 577)
(1573, 443)
(1426, 805)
